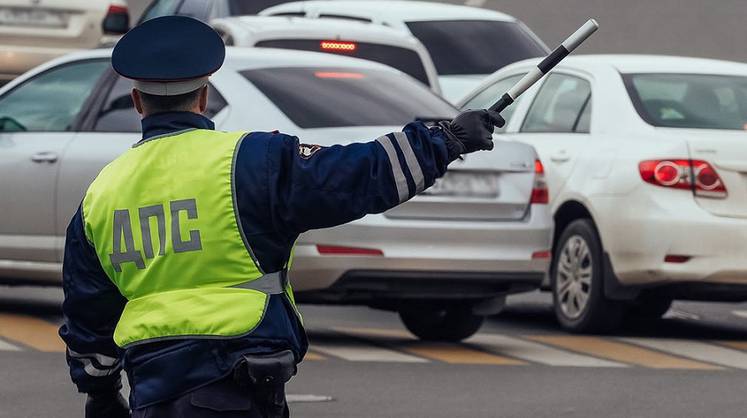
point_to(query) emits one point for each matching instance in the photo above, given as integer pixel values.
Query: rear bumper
(644, 231)
(416, 253)
(369, 286)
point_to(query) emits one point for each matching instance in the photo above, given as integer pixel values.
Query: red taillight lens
(540, 193)
(338, 46)
(707, 181)
(696, 175)
(340, 250)
(117, 9)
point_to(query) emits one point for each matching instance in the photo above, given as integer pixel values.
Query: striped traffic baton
(547, 64)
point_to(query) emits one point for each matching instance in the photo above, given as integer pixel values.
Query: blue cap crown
(169, 49)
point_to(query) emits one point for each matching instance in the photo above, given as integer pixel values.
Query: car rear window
(406, 60)
(475, 46)
(690, 100)
(323, 97)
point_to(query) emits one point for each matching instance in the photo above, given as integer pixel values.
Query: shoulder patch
(307, 151)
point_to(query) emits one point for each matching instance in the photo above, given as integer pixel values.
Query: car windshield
(690, 100)
(406, 60)
(336, 97)
(475, 46)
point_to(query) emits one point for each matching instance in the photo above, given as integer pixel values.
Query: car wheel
(441, 323)
(577, 280)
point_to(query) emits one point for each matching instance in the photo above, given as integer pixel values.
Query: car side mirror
(117, 21)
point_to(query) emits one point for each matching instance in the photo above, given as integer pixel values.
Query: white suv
(348, 38)
(465, 43)
(647, 169)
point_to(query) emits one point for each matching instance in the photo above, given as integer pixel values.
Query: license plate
(466, 184)
(33, 17)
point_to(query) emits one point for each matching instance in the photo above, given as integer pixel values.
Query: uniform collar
(170, 122)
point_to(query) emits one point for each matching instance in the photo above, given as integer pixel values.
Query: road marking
(458, 354)
(6, 346)
(33, 332)
(447, 352)
(739, 345)
(677, 314)
(293, 398)
(696, 350)
(310, 355)
(741, 314)
(356, 350)
(620, 352)
(537, 353)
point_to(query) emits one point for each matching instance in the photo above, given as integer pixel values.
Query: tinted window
(335, 97)
(559, 105)
(491, 94)
(403, 59)
(690, 100)
(50, 101)
(474, 46)
(160, 8)
(119, 115)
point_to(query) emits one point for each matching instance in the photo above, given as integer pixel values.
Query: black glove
(109, 404)
(471, 131)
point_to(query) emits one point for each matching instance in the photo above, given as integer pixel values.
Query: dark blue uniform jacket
(283, 189)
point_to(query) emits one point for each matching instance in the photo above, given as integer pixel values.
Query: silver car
(443, 259)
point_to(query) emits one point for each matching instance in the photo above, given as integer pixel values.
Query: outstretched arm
(320, 187)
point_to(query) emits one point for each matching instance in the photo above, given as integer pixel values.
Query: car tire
(434, 323)
(577, 280)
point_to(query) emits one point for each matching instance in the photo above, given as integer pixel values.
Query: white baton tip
(580, 35)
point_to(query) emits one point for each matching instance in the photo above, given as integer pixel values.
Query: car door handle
(44, 157)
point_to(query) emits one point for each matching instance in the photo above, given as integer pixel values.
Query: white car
(453, 253)
(647, 168)
(33, 31)
(465, 43)
(372, 42)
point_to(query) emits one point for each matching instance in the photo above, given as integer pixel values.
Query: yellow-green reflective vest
(163, 220)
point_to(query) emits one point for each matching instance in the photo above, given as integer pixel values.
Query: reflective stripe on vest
(163, 220)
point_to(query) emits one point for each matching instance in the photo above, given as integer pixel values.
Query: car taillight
(696, 175)
(340, 250)
(337, 46)
(540, 193)
(117, 9)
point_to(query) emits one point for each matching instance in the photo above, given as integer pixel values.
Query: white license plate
(466, 184)
(33, 17)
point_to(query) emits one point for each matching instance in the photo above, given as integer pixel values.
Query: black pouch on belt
(266, 369)
(266, 375)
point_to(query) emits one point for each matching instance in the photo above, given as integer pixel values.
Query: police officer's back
(176, 262)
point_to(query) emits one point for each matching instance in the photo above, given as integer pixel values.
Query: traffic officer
(176, 262)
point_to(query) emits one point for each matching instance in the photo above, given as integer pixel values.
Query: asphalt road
(364, 364)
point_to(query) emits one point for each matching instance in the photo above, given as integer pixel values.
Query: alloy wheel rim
(573, 277)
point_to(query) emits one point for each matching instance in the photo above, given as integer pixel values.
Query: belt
(270, 283)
